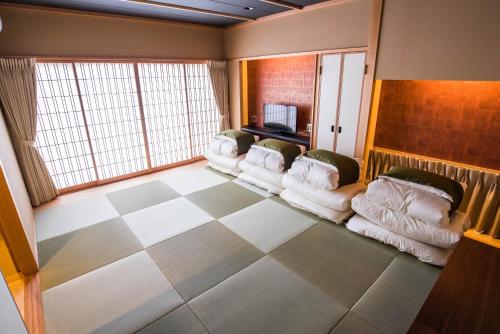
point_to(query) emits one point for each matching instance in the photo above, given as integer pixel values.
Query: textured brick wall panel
(287, 80)
(452, 120)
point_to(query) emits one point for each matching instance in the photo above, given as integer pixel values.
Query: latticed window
(102, 121)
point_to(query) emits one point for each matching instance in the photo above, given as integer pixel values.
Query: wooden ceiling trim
(285, 4)
(192, 9)
(109, 15)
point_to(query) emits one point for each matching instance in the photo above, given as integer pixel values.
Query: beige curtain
(481, 199)
(18, 99)
(220, 86)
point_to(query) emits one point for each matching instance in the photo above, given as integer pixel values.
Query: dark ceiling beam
(191, 9)
(283, 4)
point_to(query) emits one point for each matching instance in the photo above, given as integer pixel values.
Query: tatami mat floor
(198, 252)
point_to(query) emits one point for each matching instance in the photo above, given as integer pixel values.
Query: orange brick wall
(287, 80)
(451, 120)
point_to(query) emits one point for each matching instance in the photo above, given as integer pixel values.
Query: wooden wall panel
(12, 229)
(451, 120)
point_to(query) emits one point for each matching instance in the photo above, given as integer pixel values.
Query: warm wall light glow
(372, 122)
(244, 92)
(452, 120)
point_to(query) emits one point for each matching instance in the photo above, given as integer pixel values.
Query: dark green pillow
(288, 150)
(348, 167)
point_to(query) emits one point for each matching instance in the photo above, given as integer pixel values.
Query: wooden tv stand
(264, 133)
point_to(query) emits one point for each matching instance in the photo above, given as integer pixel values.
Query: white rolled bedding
(231, 163)
(265, 158)
(305, 204)
(410, 200)
(425, 253)
(338, 199)
(430, 189)
(416, 229)
(316, 173)
(223, 169)
(258, 182)
(224, 164)
(261, 172)
(261, 177)
(224, 146)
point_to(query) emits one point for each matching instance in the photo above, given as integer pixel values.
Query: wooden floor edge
(486, 239)
(33, 305)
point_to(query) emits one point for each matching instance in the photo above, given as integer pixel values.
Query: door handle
(333, 129)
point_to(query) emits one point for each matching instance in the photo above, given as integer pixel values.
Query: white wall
(234, 96)
(440, 40)
(47, 33)
(340, 25)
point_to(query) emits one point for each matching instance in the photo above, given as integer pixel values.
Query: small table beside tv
(264, 133)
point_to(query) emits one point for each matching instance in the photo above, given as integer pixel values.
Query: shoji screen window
(109, 97)
(204, 117)
(102, 121)
(61, 137)
(165, 111)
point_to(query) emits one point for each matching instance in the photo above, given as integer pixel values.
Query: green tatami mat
(224, 199)
(392, 303)
(180, 321)
(335, 260)
(202, 257)
(268, 298)
(141, 196)
(76, 253)
(121, 297)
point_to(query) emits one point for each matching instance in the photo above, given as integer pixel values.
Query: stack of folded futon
(266, 163)
(323, 183)
(414, 211)
(227, 149)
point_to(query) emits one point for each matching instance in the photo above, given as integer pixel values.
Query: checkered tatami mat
(200, 253)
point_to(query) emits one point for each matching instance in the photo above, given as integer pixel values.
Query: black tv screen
(280, 117)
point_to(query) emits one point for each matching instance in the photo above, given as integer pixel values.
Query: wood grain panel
(27, 294)
(466, 297)
(13, 231)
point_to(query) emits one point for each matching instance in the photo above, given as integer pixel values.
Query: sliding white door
(350, 102)
(337, 121)
(329, 88)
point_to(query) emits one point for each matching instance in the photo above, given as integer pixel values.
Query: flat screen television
(280, 117)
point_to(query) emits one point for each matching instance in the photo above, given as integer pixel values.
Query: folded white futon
(266, 163)
(323, 182)
(425, 253)
(413, 210)
(227, 149)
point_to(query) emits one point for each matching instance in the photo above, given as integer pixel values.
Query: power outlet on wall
(309, 127)
(254, 119)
